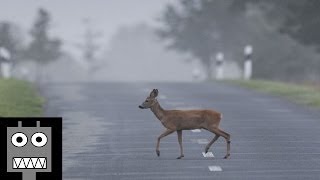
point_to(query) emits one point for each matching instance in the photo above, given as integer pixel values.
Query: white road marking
(215, 168)
(208, 154)
(196, 130)
(202, 141)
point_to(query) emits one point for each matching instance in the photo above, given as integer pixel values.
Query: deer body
(190, 119)
(178, 120)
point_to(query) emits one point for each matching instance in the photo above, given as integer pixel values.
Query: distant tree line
(283, 33)
(297, 18)
(42, 48)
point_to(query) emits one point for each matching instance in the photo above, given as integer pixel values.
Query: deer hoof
(158, 153)
(206, 150)
(180, 157)
(226, 157)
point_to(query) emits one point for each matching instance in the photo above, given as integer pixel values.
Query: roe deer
(178, 120)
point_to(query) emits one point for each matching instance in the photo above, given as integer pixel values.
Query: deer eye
(147, 100)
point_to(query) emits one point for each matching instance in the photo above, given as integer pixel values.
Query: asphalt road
(106, 136)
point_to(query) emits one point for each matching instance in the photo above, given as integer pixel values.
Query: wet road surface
(106, 136)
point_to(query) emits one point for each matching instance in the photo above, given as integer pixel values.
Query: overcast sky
(68, 15)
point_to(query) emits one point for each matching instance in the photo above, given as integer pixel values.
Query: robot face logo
(29, 150)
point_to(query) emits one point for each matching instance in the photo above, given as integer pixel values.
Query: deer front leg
(166, 133)
(210, 143)
(179, 132)
(219, 132)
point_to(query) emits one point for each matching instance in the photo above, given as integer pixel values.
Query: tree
(90, 47)
(299, 19)
(205, 27)
(9, 38)
(42, 48)
(201, 28)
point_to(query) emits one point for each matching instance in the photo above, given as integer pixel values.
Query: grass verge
(303, 94)
(19, 98)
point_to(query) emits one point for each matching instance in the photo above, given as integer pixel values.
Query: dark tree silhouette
(42, 48)
(299, 19)
(278, 30)
(200, 28)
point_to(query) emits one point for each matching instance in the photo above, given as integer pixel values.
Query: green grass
(303, 94)
(19, 98)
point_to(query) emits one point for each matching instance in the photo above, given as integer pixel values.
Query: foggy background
(160, 40)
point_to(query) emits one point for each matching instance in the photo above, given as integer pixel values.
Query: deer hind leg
(179, 132)
(166, 133)
(211, 142)
(226, 137)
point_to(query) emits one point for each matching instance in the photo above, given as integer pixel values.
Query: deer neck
(157, 110)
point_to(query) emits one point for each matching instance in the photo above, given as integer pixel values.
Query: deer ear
(157, 92)
(154, 93)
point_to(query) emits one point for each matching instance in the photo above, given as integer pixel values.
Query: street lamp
(248, 62)
(219, 65)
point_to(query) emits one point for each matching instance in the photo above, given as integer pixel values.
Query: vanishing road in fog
(106, 136)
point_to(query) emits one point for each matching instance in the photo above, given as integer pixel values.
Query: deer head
(150, 100)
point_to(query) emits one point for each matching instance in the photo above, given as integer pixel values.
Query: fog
(68, 16)
(157, 40)
(108, 18)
